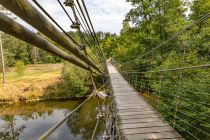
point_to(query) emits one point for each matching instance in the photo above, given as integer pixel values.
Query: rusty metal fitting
(100, 116)
(69, 3)
(82, 47)
(75, 25)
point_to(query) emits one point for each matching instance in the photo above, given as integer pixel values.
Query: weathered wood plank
(152, 136)
(133, 110)
(137, 113)
(143, 120)
(139, 116)
(132, 107)
(147, 130)
(142, 125)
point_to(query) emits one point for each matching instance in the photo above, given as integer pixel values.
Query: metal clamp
(69, 3)
(82, 47)
(100, 116)
(75, 25)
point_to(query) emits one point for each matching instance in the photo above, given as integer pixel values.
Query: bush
(20, 68)
(75, 82)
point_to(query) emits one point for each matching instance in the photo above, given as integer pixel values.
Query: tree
(154, 22)
(3, 10)
(2, 60)
(35, 55)
(199, 8)
(2, 53)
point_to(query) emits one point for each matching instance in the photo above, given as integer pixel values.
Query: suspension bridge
(159, 112)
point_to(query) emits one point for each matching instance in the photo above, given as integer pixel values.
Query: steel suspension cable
(84, 5)
(85, 26)
(78, 3)
(25, 10)
(53, 20)
(95, 128)
(69, 17)
(88, 30)
(65, 11)
(82, 38)
(13, 28)
(52, 129)
(184, 30)
(81, 25)
(173, 69)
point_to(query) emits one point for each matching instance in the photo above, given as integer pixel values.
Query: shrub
(20, 68)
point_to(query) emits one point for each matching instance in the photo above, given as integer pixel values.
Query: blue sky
(106, 15)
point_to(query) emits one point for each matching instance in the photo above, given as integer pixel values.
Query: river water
(31, 120)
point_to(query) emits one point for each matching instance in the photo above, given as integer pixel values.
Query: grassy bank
(32, 84)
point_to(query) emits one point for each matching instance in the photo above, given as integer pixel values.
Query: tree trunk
(2, 60)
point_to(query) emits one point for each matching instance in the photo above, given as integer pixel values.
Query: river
(28, 121)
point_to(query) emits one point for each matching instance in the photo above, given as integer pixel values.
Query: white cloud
(106, 15)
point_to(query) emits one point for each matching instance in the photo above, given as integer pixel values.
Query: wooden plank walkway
(137, 119)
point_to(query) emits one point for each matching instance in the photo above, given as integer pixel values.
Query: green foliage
(199, 8)
(48, 59)
(75, 79)
(74, 82)
(20, 68)
(15, 49)
(180, 93)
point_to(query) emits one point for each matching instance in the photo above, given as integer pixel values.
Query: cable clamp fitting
(82, 47)
(69, 3)
(106, 137)
(75, 25)
(100, 116)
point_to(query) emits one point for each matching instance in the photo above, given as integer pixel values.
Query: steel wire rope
(73, 22)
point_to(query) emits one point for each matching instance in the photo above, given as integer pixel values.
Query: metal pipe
(13, 28)
(25, 10)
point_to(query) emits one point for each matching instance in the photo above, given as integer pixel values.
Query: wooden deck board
(152, 136)
(147, 130)
(137, 119)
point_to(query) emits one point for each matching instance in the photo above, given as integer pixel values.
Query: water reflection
(29, 121)
(8, 130)
(81, 124)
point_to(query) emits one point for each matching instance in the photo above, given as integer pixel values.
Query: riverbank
(33, 85)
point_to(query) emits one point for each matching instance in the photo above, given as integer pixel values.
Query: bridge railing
(174, 78)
